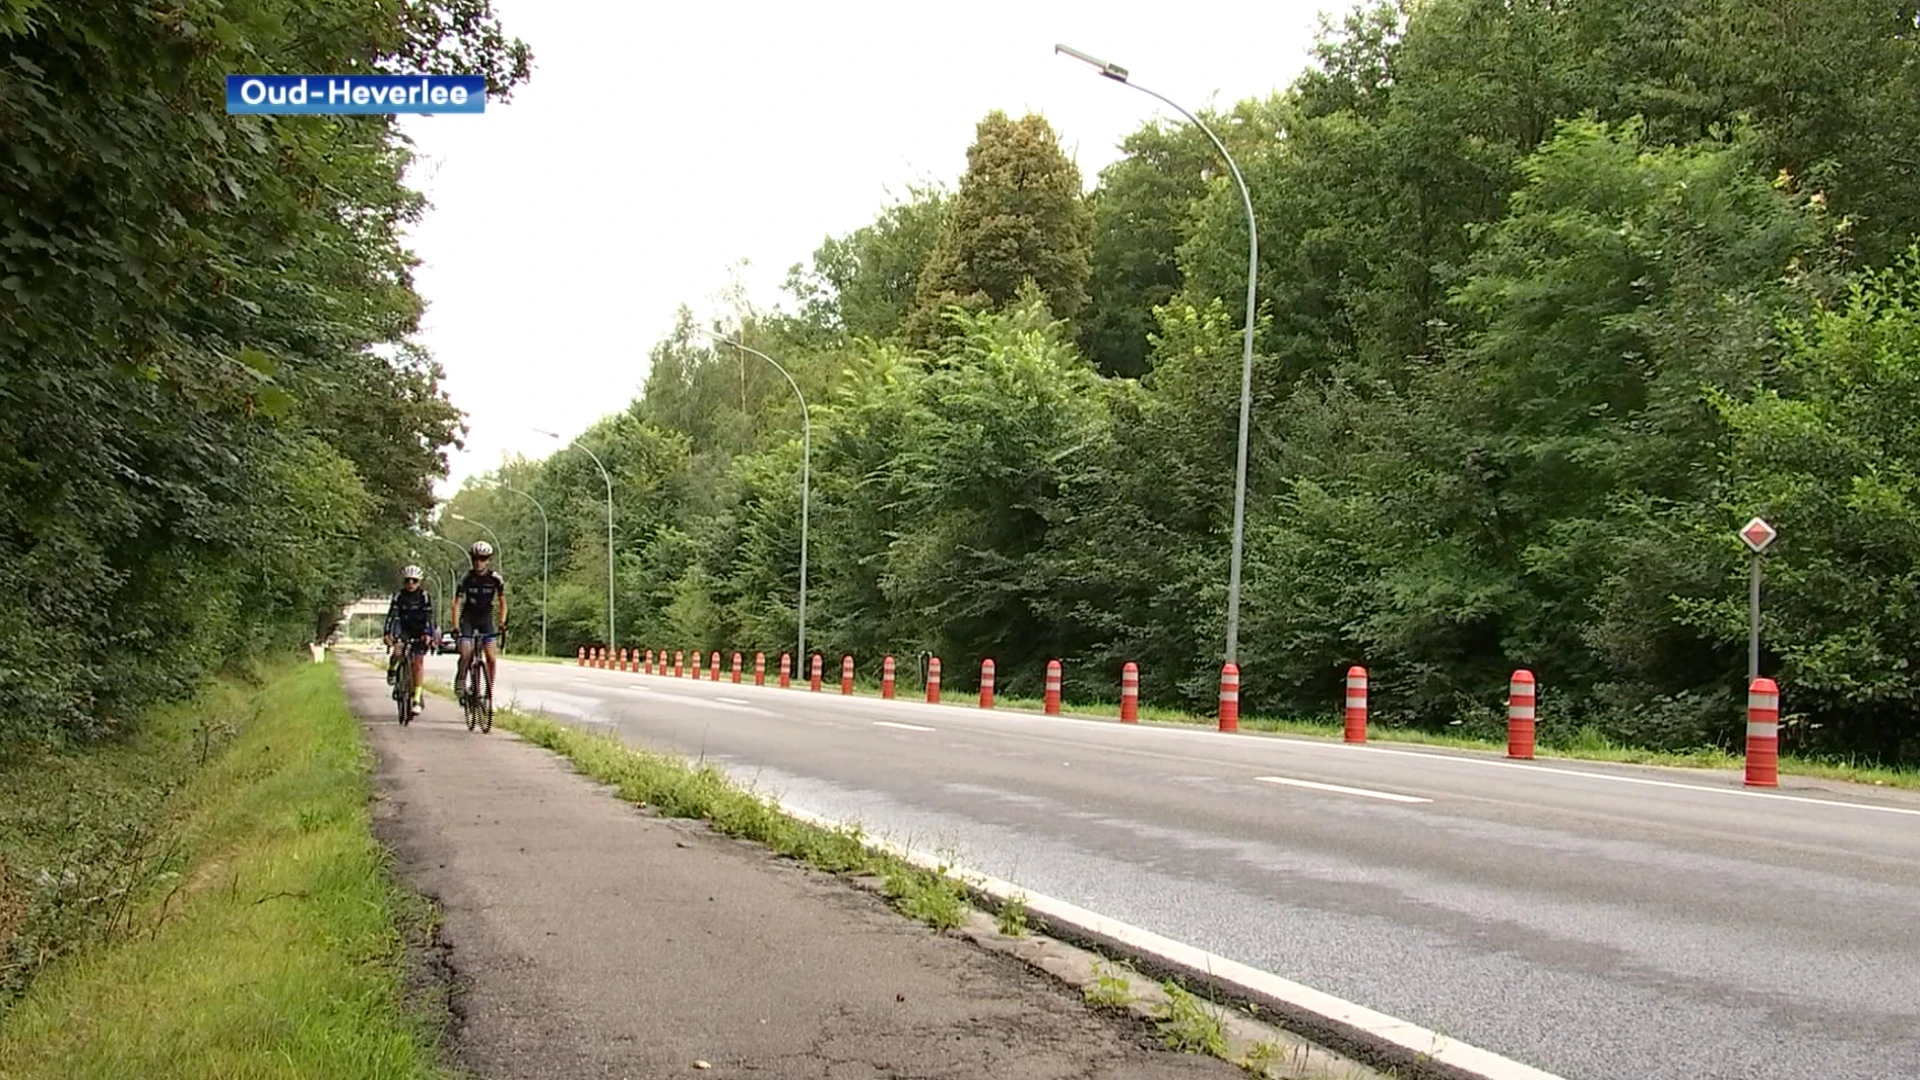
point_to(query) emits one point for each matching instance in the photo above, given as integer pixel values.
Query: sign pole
(1756, 534)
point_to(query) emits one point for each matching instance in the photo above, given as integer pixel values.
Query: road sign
(1758, 534)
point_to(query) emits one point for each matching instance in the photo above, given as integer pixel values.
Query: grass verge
(677, 788)
(269, 940)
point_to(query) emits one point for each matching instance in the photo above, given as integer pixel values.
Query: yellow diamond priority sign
(1758, 534)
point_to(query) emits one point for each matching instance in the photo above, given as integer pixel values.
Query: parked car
(448, 643)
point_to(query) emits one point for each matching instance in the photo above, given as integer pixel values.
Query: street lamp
(545, 553)
(806, 457)
(453, 577)
(609, 479)
(1119, 74)
(501, 547)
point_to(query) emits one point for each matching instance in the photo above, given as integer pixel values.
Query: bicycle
(477, 702)
(403, 683)
(403, 689)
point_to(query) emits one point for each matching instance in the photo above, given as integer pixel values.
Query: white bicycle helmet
(481, 550)
(411, 573)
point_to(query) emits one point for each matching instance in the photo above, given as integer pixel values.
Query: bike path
(593, 940)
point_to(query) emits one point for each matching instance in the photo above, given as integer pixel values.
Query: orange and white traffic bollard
(933, 680)
(886, 678)
(1763, 734)
(786, 670)
(1356, 705)
(846, 674)
(1230, 697)
(736, 667)
(599, 657)
(759, 669)
(647, 664)
(694, 663)
(1051, 703)
(580, 658)
(714, 671)
(986, 684)
(679, 663)
(626, 659)
(813, 678)
(1521, 695)
(1130, 693)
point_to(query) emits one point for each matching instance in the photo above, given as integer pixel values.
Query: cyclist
(409, 631)
(479, 613)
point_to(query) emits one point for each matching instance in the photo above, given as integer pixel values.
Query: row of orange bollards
(1763, 698)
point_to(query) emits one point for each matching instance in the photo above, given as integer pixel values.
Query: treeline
(1554, 294)
(213, 424)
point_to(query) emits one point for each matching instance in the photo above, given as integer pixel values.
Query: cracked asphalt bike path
(590, 939)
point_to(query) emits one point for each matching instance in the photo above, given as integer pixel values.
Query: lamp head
(1111, 71)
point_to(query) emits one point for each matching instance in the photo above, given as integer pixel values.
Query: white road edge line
(734, 700)
(1649, 781)
(1338, 1012)
(1368, 792)
(902, 727)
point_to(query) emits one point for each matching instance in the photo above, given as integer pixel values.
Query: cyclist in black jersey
(409, 629)
(479, 613)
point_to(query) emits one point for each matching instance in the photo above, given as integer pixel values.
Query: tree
(863, 284)
(1018, 216)
(212, 419)
(1140, 214)
(1830, 453)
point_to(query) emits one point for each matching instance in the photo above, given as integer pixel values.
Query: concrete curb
(1375, 1039)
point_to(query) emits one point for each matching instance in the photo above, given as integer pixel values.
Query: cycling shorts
(477, 629)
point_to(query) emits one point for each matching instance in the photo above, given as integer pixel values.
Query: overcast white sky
(660, 145)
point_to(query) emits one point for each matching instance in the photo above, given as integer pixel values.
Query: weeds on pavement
(1111, 988)
(1012, 917)
(1190, 1024)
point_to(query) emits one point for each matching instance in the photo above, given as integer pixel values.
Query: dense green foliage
(1554, 295)
(213, 424)
(1018, 219)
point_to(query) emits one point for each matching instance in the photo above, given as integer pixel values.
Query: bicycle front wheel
(403, 692)
(473, 695)
(486, 702)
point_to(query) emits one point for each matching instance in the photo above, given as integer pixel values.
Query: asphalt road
(1599, 922)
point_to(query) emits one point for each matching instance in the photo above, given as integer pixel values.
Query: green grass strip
(677, 788)
(269, 945)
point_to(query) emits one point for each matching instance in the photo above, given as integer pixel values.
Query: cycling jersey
(479, 594)
(410, 614)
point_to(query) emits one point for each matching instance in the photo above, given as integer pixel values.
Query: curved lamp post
(453, 577)
(546, 552)
(500, 546)
(806, 459)
(609, 479)
(1119, 74)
